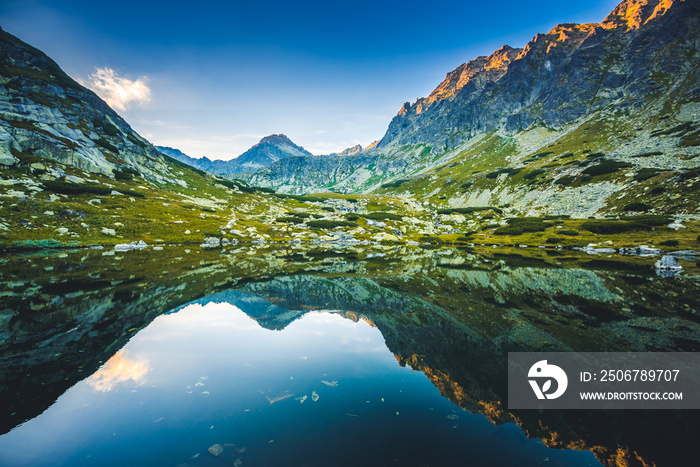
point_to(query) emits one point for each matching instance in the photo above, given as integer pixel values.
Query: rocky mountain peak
(632, 14)
(476, 72)
(276, 139)
(350, 151)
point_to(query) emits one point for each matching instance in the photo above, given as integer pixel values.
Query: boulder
(211, 242)
(668, 263)
(140, 245)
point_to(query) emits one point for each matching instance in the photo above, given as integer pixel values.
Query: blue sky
(213, 77)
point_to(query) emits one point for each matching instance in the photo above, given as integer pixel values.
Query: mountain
(585, 119)
(47, 115)
(270, 149)
(74, 173)
(351, 151)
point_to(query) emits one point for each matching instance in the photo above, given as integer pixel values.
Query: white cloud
(118, 92)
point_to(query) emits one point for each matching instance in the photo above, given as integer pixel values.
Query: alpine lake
(297, 355)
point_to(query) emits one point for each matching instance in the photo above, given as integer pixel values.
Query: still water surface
(325, 390)
(303, 357)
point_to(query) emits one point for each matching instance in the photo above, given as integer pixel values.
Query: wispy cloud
(117, 91)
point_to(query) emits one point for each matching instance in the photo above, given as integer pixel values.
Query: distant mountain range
(270, 149)
(522, 125)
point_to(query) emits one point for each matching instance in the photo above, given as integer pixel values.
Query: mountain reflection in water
(215, 371)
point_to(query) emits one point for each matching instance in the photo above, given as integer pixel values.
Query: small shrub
(692, 173)
(637, 207)
(657, 191)
(669, 243)
(565, 180)
(466, 185)
(646, 174)
(263, 189)
(553, 240)
(535, 173)
(518, 226)
(605, 167)
(290, 220)
(352, 217)
(383, 216)
(329, 224)
(36, 244)
(24, 158)
(328, 208)
(620, 226)
(469, 210)
(394, 184)
(120, 175)
(66, 188)
(649, 154)
(102, 142)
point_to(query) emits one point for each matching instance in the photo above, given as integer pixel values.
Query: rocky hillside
(46, 115)
(270, 149)
(586, 119)
(74, 173)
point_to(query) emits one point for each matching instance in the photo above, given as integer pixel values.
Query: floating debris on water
(302, 399)
(216, 450)
(351, 415)
(453, 417)
(314, 396)
(205, 392)
(195, 456)
(199, 383)
(159, 420)
(238, 463)
(331, 384)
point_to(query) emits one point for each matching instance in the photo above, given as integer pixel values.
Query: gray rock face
(558, 77)
(668, 263)
(46, 114)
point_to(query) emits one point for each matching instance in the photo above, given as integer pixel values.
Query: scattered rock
(685, 253)
(668, 263)
(216, 450)
(140, 245)
(211, 242)
(107, 231)
(6, 159)
(62, 231)
(641, 250)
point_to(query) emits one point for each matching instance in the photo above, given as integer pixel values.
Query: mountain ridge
(623, 88)
(268, 150)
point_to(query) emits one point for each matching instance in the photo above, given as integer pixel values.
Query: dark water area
(300, 356)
